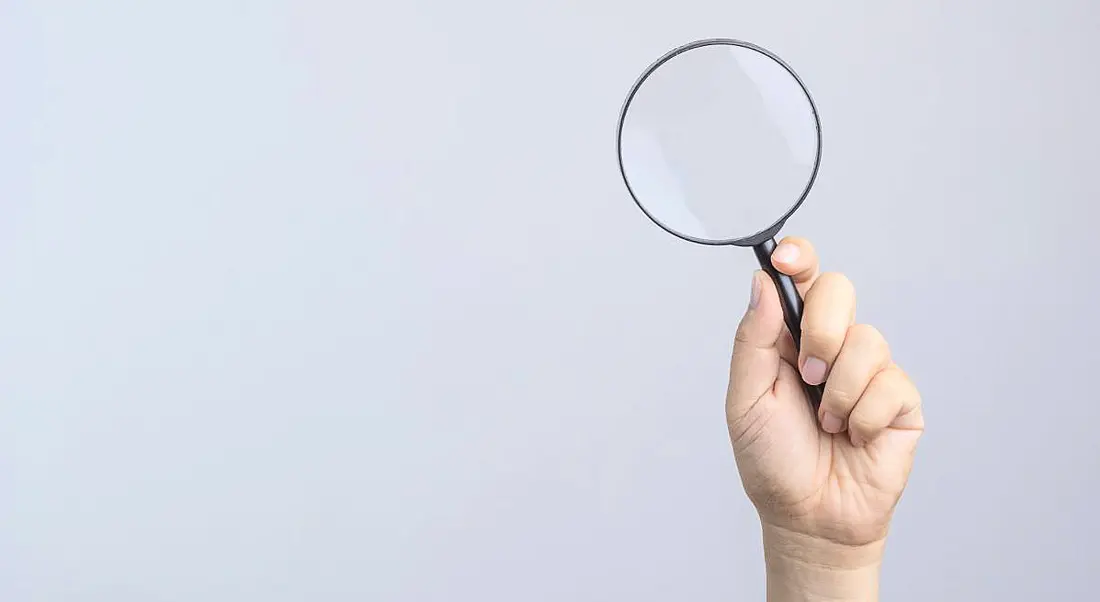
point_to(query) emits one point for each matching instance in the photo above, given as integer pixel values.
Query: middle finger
(829, 310)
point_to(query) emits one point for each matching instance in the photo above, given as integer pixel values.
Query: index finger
(796, 257)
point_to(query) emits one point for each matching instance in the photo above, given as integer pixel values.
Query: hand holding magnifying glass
(719, 143)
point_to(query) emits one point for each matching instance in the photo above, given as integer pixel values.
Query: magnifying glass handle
(792, 307)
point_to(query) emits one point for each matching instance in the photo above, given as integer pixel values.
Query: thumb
(756, 355)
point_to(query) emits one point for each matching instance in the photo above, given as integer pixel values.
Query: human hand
(825, 485)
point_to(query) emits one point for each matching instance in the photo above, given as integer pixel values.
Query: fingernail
(856, 439)
(813, 371)
(754, 297)
(786, 253)
(831, 424)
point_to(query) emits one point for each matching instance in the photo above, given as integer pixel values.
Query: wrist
(802, 568)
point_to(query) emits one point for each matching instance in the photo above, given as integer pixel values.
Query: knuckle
(892, 381)
(818, 340)
(864, 423)
(741, 336)
(833, 280)
(869, 338)
(838, 401)
(865, 332)
(868, 417)
(909, 393)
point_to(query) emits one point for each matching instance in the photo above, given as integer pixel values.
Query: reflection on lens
(719, 142)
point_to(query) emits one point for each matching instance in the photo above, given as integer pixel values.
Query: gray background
(346, 301)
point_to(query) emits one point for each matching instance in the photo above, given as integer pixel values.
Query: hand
(825, 485)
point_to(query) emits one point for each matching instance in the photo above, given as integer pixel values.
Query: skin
(825, 485)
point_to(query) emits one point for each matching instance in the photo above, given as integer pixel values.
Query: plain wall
(317, 300)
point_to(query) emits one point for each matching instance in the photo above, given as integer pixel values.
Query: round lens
(719, 141)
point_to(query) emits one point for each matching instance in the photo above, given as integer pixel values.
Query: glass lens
(719, 142)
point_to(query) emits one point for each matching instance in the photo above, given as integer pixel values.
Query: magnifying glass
(719, 143)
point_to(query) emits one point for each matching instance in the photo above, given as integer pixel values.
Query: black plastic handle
(792, 307)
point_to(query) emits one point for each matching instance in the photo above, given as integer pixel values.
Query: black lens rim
(745, 241)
